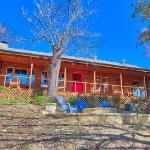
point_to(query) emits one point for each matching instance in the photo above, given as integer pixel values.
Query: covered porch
(29, 72)
(70, 80)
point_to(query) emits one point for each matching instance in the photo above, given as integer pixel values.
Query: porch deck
(103, 89)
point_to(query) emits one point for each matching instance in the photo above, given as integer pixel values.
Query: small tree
(7, 36)
(64, 25)
(142, 12)
(4, 33)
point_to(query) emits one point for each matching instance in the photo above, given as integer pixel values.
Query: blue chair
(81, 105)
(66, 106)
(8, 78)
(131, 107)
(104, 104)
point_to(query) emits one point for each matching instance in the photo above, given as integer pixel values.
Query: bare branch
(66, 26)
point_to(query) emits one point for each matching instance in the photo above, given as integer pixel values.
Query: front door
(77, 85)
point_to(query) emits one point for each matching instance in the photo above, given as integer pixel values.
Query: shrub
(38, 93)
(146, 100)
(7, 89)
(1, 88)
(73, 100)
(115, 102)
(42, 100)
(142, 108)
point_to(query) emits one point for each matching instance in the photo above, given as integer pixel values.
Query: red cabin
(31, 70)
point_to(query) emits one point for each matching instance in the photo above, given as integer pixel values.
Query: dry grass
(23, 127)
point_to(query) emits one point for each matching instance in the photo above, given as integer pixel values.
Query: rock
(99, 110)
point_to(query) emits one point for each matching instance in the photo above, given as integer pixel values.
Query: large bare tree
(65, 26)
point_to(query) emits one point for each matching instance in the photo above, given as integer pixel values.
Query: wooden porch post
(30, 81)
(145, 86)
(85, 87)
(121, 84)
(4, 80)
(65, 78)
(94, 79)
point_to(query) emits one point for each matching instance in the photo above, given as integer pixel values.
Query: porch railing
(78, 87)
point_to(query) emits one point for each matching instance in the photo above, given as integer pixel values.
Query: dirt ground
(24, 127)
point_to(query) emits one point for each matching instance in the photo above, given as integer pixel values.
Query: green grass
(7, 89)
(2, 114)
(14, 102)
(42, 100)
(1, 88)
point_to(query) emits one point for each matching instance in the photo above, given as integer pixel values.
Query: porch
(28, 72)
(101, 85)
(119, 89)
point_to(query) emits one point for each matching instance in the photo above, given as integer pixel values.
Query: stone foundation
(106, 118)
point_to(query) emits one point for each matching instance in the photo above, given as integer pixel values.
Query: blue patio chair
(81, 105)
(8, 78)
(66, 106)
(104, 104)
(131, 107)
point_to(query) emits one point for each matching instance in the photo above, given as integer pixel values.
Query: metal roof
(73, 58)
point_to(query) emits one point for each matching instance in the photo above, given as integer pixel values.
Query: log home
(30, 70)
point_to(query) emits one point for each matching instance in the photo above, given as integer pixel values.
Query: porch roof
(69, 58)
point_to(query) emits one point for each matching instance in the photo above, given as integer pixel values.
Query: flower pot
(51, 108)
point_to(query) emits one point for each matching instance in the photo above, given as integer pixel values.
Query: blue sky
(114, 22)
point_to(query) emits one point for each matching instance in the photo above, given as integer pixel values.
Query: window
(105, 84)
(61, 76)
(105, 80)
(44, 80)
(22, 76)
(9, 70)
(20, 72)
(61, 80)
(77, 77)
(9, 75)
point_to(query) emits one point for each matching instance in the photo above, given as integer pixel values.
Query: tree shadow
(97, 140)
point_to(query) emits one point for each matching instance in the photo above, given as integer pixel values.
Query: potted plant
(49, 103)
(51, 106)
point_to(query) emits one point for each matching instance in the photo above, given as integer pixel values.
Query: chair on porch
(97, 88)
(66, 107)
(127, 91)
(14, 84)
(116, 90)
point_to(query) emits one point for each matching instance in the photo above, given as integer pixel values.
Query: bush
(115, 102)
(146, 100)
(1, 88)
(42, 100)
(38, 93)
(73, 100)
(7, 89)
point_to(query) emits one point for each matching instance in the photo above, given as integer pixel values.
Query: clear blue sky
(114, 23)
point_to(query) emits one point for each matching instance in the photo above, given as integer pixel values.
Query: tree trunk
(54, 75)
